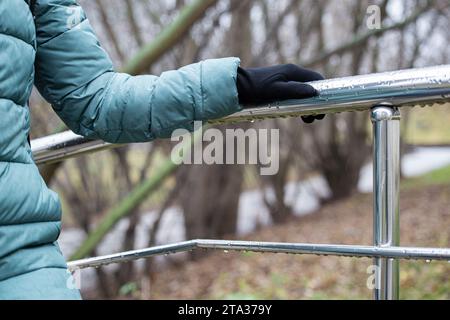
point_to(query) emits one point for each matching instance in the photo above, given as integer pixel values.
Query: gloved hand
(265, 85)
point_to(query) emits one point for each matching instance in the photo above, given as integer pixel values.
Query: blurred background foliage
(330, 36)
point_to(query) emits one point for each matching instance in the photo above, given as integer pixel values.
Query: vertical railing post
(386, 162)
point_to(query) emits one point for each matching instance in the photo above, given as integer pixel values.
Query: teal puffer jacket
(58, 52)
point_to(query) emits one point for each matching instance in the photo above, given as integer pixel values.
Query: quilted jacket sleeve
(76, 76)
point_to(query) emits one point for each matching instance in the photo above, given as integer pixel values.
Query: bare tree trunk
(210, 196)
(279, 210)
(210, 199)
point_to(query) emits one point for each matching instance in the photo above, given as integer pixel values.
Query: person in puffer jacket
(75, 75)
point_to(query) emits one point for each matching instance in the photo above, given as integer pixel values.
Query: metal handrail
(381, 93)
(273, 247)
(413, 87)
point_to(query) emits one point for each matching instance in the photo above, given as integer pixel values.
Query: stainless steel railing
(383, 94)
(416, 87)
(273, 247)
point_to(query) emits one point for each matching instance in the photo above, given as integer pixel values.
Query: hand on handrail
(277, 83)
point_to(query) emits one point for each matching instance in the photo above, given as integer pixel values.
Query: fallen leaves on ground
(425, 222)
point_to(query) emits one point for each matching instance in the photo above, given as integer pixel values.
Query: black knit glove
(265, 85)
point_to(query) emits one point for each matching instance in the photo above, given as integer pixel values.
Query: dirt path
(425, 221)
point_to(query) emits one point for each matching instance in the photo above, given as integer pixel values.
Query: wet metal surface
(270, 247)
(406, 88)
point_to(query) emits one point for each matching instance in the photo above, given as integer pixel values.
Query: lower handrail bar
(414, 253)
